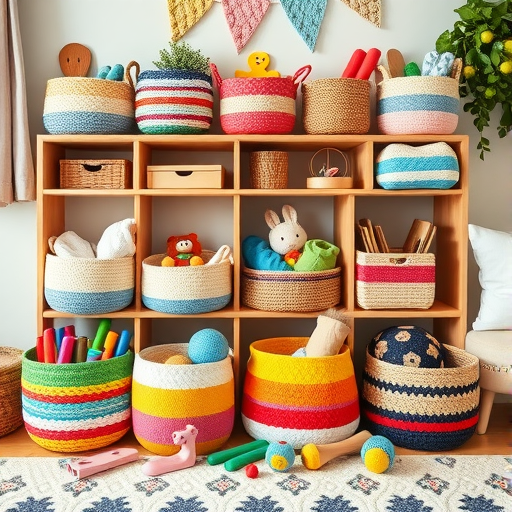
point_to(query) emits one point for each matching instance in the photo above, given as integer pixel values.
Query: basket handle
(128, 74)
(301, 75)
(384, 71)
(456, 69)
(216, 77)
(92, 167)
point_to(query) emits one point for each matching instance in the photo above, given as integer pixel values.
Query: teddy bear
(183, 251)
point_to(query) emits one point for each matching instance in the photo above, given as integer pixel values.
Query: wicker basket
(186, 290)
(269, 169)
(10, 389)
(269, 290)
(95, 173)
(336, 106)
(432, 409)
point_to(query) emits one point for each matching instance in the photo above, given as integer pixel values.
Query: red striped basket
(263, 105)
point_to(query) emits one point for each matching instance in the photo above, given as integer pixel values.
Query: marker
(66, 350)
(110, 345)
(49, 345)
(123, 343)
(101, 334)
(69, 330)
(40, 349)
(93, 355)
(59, 336)
(80, 350)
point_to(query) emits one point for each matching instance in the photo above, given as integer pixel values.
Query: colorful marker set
(62, 346)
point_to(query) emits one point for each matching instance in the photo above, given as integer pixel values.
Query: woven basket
(78, 406)
(258, 105)
(269, 290)
(173, 101)
(95, 174)
(82, 105)
(336, 106)
(10, 390)
(88, 286)
(299, 400)
(432, 409)
(186, 290)
(269, 169)
(166, 397)
(395, 280)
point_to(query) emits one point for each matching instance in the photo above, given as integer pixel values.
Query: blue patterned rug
(414, 484)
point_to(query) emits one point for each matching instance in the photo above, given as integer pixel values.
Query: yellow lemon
(506, 67)
(486, 36)
(469, 71)
(507, 46)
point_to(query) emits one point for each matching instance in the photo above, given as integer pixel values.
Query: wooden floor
(496, 441)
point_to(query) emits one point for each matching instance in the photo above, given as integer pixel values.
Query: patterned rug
(414, 484)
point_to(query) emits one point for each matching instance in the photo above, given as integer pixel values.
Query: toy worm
(369, 64)
(354, 64)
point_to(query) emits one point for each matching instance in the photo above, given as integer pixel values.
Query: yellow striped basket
(167, 397)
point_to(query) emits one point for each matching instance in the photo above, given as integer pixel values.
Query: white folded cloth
(118, 240)
(70, 245)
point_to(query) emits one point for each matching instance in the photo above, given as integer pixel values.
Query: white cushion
(493, 255)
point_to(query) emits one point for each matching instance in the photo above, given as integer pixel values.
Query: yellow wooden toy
(258, 62)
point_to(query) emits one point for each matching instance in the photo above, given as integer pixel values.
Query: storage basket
(173, 101)
(270, 290)
(395, 280)
(77, 406)
(95, 173)
(336, 106)
(82, 105)
(166, 397)
(10, 389)
(88, 286)
(269, 169)
(299, 400)
(432, 409)
(186, 290)
(264, 105)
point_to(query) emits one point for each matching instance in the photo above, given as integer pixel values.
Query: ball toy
(208, 346)
(280, 456)
(378, 454)
(178, 359)
(251, 470)
(407, 346)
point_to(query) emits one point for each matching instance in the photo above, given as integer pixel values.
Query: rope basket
(88, 286)
(166, 397)
(289, 291)
(336, 106)
(299, 400)
(95, 173)
(10, 390)
(78, 406)
(432, 409)
(269, 169)
(186, 290)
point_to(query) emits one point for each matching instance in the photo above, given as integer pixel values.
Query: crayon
(369, 64)
(49, 345)
(93, 355)
(69, 330)
(80, 350)
(109, 345)
(66, 350)
(123, 343)
(101, 334)
(59, 336)
(40, 349)
(354, 64)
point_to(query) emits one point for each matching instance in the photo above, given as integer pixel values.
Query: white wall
(118, 31)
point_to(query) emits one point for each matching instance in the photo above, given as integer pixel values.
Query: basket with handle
(264, 105)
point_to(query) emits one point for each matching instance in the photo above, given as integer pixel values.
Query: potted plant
(483, 39)
(177, 97)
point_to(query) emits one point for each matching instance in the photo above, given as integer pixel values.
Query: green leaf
(485, 141)
(495, 57)
(491, 79)
(471, 57)
(444, 42)
(484, 59)
(506, 118)
(466, 13)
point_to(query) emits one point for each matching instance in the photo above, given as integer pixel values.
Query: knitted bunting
(368, 9)
(306, 17)
(184, 14)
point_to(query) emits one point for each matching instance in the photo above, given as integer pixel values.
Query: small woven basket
(432, 409)
(78, 406)
(95, 173)
(10, 389)
(269, 169)
(290, 291)
(166, 397)
(336, 106)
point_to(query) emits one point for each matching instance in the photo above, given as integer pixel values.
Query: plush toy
(183, 251)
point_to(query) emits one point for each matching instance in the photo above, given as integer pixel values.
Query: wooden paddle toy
(75, 59)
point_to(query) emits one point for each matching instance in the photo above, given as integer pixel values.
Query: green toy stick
(219, 457)
(246, 458)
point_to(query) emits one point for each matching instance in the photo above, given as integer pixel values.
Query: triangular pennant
(184, 14)
(243, 17)
(306, 17)
(368, 9)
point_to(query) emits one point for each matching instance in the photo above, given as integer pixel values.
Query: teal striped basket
(88, 286)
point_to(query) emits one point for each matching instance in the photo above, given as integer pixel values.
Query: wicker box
(10, 389)
(95, 174)
(186, 176)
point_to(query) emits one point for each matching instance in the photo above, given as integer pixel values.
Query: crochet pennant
(243, 18)
(368, 9)
(184, 14)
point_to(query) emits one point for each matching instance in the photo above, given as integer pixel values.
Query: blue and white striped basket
(186, 290)
(432, 166)
(88, 286)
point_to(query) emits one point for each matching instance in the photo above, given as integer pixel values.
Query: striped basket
(10, 389)
(432, 409)
(263, 105)
(270, 290)
(299, 400)
(166, 397)
(395, 280)
(79, 406)
(186, 290)
(82, 105)
(88, 286)
(173, 101)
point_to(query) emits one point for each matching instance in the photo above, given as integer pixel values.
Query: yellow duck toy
(258, 62)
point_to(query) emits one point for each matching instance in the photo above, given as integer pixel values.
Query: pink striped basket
(263, 105)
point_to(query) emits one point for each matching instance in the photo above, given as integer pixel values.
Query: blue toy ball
(208, 346)
(280, 456)
(378, 454)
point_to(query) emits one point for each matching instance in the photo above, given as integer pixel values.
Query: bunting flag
(184, 14)
(306, 17)
(368, 9)
(243, 17)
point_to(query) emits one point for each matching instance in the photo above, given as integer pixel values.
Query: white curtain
(17, 179)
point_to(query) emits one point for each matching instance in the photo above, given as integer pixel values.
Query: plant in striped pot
(177, 97)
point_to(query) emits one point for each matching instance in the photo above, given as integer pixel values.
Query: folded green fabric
(317, 255)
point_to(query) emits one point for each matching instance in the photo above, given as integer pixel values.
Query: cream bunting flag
(184, 14)
(368, 9)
